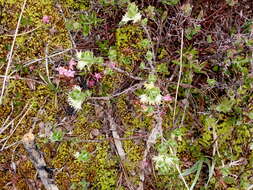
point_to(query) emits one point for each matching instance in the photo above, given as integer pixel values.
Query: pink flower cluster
(65, 72)
(167, 98)
(70, 73)
(95, 78)
(46, 19)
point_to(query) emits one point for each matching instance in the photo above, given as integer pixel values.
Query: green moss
(75, 4)
(128, 45)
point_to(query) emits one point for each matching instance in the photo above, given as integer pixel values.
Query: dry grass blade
(11, 52)
(180, 74)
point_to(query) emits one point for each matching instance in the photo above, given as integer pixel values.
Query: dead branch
(115, 135)
(38, 161)
(155, 133)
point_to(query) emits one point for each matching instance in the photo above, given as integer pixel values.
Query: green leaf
(132, 10)
(112, 54)
(142, 65)
(145, 43)
(225, 106)
(149, 55)
(190, 32)
(152, 78)
(83, 156)
(162, 68)
(86, 30)
(195, 168)
(191, 170)
(250, 115)
(87, 59)
(209, 39)
(211, 82)
(57, 135)
(132, 14)
(210, 169)
(170, 2)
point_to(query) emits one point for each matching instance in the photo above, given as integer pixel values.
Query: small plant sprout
(83, 156)
(76, 97)
(87, 59)
(57, 135)
(132, 14)
(152, 94)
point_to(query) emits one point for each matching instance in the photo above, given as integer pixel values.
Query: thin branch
(154, 134)
(46, 63)
(24, 33)
(106, 139)
(47, 57)
(130, 89)
(153, 51)
(11, 52)
(115, 135)
(22, 78)
(38, 161)
(124, 72)
(180, 73)
(20, 120)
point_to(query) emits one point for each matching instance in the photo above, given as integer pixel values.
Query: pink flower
(144, 164)
(46, 19)
(69, 73)
(97, 76)
(61, 70)
(72, 63)
(167, 98)
(65, 72)
(91, 83)
(112, 65)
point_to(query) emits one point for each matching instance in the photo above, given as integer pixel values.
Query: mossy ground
(37, 105)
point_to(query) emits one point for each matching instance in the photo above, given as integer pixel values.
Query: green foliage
(57, 135)
(231, 2)
(207, 127)
(112, 54)
(170, 2)
(82, 185)
(84, 23)
(192, 31)
(82, 156)
(211, 82)
(87, 21)
(149, 55)
(197, 167)
(226, 105)
(87, 59)
(76, 97)
(152, 94)
(132, 14)
(162, 68)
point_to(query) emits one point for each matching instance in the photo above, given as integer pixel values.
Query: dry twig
(11, 52)
(156, 131)
(38, 161)
(115, 135)
(180, 74)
